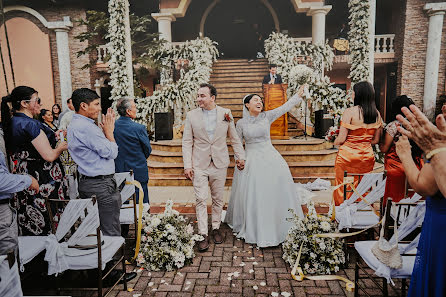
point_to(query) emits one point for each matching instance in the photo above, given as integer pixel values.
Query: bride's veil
(245, 110)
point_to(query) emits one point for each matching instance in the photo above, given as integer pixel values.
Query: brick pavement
(236, 269)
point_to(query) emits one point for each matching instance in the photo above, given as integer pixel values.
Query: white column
(436, 13)
(164, 20)
(63, 57)
(372, 20)
(128, 50)
(318, 23)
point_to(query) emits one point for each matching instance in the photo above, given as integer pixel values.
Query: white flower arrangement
(359, 40)
(289, 55)
(319, 255)
(119, 79)
(179, 96)
(167, 242)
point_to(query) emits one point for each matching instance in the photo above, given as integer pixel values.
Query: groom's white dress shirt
(210, 121)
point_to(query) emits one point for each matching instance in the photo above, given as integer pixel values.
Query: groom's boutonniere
(227, 117)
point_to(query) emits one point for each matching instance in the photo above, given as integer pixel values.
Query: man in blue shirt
(9, 184)
(94, 150)
(134, 145)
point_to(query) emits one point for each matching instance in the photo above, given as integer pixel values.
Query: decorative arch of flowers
(179, 95)
(290, 57)
(359, 40)
(119, 79)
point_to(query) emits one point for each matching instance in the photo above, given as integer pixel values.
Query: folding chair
(409, 225)
(361, 214)
(78, 243)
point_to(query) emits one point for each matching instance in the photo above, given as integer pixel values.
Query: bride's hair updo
(248, 98)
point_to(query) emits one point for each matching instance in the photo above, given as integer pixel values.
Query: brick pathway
(233, 268)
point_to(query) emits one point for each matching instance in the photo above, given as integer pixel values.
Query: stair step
(248, 77)
(296, 168)
(241, 61)
(257, 71)
(310, 144)
(246, 90)
(289, 156)
(180, 180)
(236, 84)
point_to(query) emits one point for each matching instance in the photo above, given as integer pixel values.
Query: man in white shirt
(206, 158)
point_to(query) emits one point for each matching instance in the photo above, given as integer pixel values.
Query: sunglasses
(37, 100)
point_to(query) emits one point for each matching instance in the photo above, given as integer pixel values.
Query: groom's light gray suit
(206, 152)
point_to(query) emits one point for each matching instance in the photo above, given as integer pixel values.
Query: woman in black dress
(32, 149)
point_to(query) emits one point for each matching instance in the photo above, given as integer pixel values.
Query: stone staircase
(308, 159)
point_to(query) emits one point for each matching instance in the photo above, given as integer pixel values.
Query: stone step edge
(283, 153)
(309, 141)
(325, 163)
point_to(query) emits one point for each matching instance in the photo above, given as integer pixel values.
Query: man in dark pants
(272, 77)
(134, 145)
(9, 184)
(94, 149)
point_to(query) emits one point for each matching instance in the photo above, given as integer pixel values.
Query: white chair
(86, 248)
(129, 212)
(407, 249)
(360, 215)
(29, 248)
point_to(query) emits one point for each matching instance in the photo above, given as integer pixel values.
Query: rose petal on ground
(150, 284)
(285, 294)
(255, 263)
(251, 270)
(263, 284)
(255, 287)
(274, 294)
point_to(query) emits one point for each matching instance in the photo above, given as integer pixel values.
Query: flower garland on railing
(290, 57)
(359, 40)
(180, 95)
(286, 53)
(116, 34)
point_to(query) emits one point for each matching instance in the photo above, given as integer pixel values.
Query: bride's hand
(301, 90)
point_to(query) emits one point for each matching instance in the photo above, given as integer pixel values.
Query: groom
(206, 157)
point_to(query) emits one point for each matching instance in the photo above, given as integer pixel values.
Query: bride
(264, 191)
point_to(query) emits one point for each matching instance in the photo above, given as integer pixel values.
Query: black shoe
(113, 277)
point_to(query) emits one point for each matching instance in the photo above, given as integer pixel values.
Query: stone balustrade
(384, 43)
(102, 52)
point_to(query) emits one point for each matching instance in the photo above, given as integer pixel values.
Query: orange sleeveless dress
(355, 155)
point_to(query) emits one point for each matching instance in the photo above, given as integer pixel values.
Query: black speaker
(163, 126)
(323, 121)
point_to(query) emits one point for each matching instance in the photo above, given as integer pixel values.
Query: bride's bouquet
(167, 241)
(319, 255)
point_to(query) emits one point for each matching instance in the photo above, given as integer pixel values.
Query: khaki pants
(215, 178)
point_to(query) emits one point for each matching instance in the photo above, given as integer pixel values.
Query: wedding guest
(272, 77)
(134, 145)
(33, 150)
(55, 110)
(430, 264)
(360, 128)
(396, 178)
(430, 138)
(70, 108)
(94, 151)
(46, 117)
(10, 184)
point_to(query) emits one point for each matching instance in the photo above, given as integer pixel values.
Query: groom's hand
(240, 164)
(189, 173)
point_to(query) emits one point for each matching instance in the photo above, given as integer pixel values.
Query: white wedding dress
(264, 191)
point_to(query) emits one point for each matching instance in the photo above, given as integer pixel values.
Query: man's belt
(97, 176)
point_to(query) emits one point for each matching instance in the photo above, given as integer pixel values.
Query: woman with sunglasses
(32, 149)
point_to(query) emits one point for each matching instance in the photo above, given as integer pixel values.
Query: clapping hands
(108, 124)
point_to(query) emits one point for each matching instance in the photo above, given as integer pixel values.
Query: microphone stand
(305, 121)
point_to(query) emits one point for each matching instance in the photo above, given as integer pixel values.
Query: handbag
(385, 252)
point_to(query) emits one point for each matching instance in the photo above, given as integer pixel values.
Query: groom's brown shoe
(216, 234)
(204, 244)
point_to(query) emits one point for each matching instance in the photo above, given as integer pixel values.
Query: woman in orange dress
(396, 178)
(360, 128)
